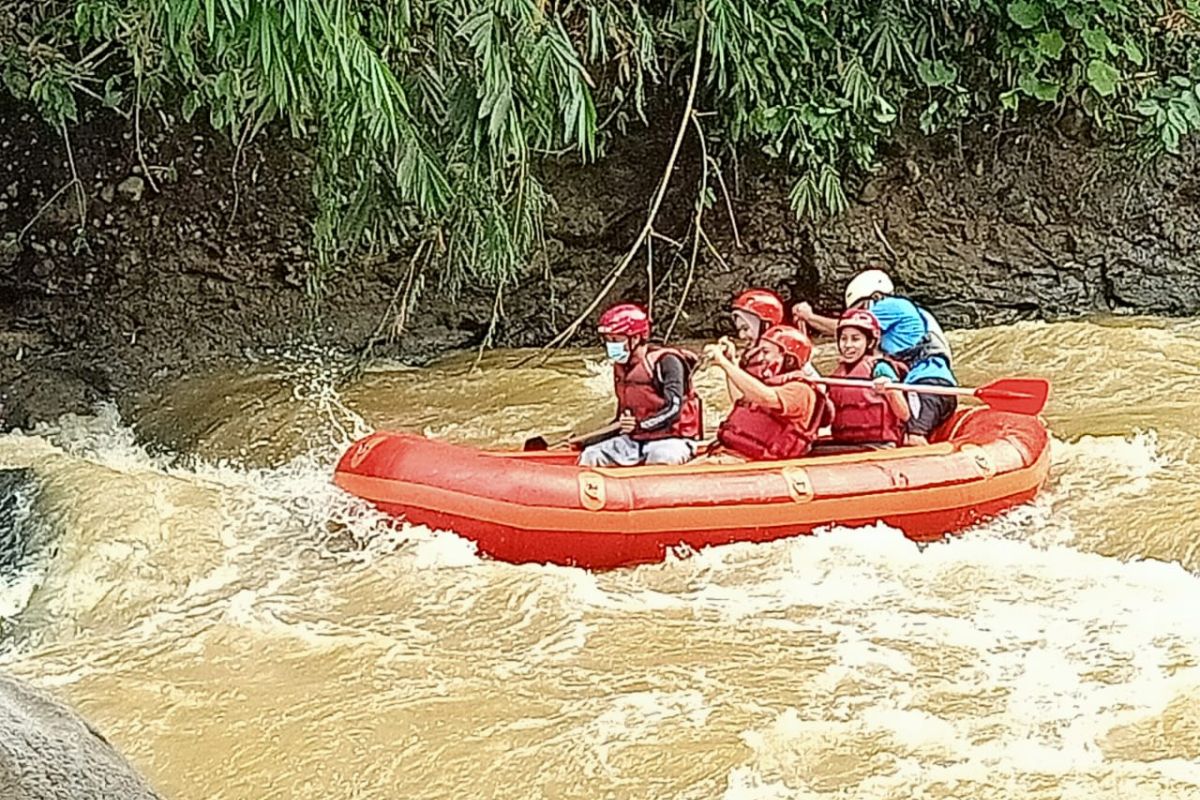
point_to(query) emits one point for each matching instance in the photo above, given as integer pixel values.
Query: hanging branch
(648, 228)
(697, 228)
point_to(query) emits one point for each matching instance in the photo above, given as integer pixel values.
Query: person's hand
(881, 384)
(802, 312)
(714, 354)
(627, 423)
(728, 348)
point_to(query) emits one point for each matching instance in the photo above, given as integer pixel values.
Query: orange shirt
(798, 398)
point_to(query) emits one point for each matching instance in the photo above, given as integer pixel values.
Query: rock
(132, 188)
(13, 190)
(871, 191)
(18, 490)
(108, 193)
(49, 752)
(39, 392)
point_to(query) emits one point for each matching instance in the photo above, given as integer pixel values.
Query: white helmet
(866, 284)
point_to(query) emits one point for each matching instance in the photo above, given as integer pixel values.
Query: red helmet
(861, 319)
(763, 304)
(625, 319)
(791, 340)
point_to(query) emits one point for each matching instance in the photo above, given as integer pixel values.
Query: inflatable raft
(540, 507)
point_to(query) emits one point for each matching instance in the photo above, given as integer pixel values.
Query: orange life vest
(862, 415)
(764, 434)
(639, 393)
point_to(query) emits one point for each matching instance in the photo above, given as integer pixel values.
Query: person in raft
(911, 335)
(754, 311)
(658, 412)
(871, 417)
(776, 410)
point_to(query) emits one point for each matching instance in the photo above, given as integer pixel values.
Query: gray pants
(621, 451)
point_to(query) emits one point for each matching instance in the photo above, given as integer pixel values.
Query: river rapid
(242, 629)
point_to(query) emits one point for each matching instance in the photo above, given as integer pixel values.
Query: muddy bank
(177, 261)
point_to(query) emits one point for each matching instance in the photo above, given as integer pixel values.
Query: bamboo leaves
(429, 117)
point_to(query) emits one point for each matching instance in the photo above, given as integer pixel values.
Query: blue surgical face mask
(618, 352)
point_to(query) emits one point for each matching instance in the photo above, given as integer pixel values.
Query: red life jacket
(862, 415)
(638, 392)
(764, 434)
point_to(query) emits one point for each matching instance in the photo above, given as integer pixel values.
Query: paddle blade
(1016, 395)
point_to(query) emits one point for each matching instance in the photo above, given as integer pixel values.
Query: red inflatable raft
(540, 507)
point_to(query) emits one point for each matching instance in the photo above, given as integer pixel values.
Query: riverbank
(189, 262)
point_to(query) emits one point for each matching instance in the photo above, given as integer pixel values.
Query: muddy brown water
(242, 629)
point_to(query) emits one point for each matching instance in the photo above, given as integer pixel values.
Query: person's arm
(671, 374)
(747, 386)
(735, 393)
(727, 347)
(883, 373)
(803, 314)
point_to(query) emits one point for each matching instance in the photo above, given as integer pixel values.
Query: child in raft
(865, 418)
(777, 411)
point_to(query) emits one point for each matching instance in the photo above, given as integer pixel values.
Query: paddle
(1014, 395)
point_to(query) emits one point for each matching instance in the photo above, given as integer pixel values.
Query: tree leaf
(1147, 107)
(937, 72)
(1097, 40)
(1103, 77)
(885, 112)
(1134, 53)
(1075, 18)
(1051, 44)
(1038, 88)
(1024, 13)
(928, 119)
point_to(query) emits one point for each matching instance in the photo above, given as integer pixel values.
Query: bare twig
(497, 312)
(697, 229)
(400, 322)
(737, 239)
(356, 369)
(879, 234)
(233, 174)
(667, 239)
(708, 245)
(33, 220)
(80, 197)
(137, 134)
(650, 277)
(571, 329)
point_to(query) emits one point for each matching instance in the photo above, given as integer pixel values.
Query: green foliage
(429, 119)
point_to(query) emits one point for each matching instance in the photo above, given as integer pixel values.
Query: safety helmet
(867, 284)
(763, 304)
(861, 319)
(791, 340)
(625, 319)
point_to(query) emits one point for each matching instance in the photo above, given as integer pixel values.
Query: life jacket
(764, 434)
(933, 344)
(639, 393)
(862, 415)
